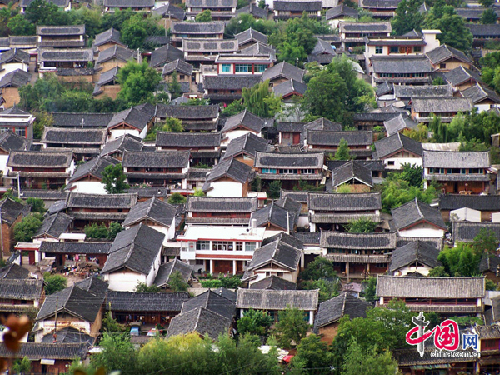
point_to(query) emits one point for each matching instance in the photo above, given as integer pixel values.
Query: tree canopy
(138, 82)
(407, 17)
(114, 179)
(453, 29)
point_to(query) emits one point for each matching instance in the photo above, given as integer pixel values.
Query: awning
(47, 361)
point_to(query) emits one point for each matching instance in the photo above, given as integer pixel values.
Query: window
(239, 246)
(250, 246)
(243, 68)
(288, 171)
(259, 68)
(222, 246)
(200, 262)
(203, 245)
(402, 49)
(21, 131)
(226, 68)
(417, 49)
(378, 49)
(442, 66)
(279, 274)
(269, 170)
(308, 171)
(394, 49)
(390, 163)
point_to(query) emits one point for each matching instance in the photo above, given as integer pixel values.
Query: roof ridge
(343, 303)
(418, 208)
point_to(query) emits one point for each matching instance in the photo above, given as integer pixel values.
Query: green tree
(27, 227)
(260, 101)
(37, 205)
(144, 288)
(41, 12)
(461, 260)
(117, 354)
(138, 82)
(109, 324)
(174, 87)
(412, 174)
(438, 272)
(176, 198)
(255, 322)
(114, 179)
(95, 230)
(113, 229)
(486, 3)
(173, 125)
(43, 119)
(362, 225)
(396, 192)
(274, 190)
(490, 285)
(312, 353)
(453, 29)
(291, 327)
(137, 28)
(21, 366)
(233, 109)
(438, 81)
(54, 283)
(371, 362)
(198, 193)
(342, 152)
(205, 16)
(319, 268)
(19, 25)
(327, 288)
(407, 17)
(485, 242)
(371, 289)
(488, 16)
(176, 282)
(116, 20)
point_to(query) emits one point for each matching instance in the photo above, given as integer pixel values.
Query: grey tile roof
(159, 159)
(14, 55)
(60, 30)
(365, 27)
(201, 321)
(93, 167)
(24, 159)
(211, 3)
(170, 10)
(351, 171)
(380, 4)
(68, 335)
(109, 77)
(282, 160)
(484, 31)
(451, 202)
(489, 263)
(162, 55)
(297, 6)
(80, 119)
(359, 241)
(226, 204)
(132, 116)
(259, 49)
(232, 169)
(74, 301)
(21, 289)
(209, 45)
(153, 210)
(444, 52)
(464, 231)
(333, 138)
(145, 302)
(254, 10)
(373, 116)
(75, 136)
(290, 87)
(35, 351)
(229, 82)
(249, 144)
(123, 143)
(341, 11)
(337, 307)
(226, 293)
(460, 75)
(65, 55)
(471, 13)
(197, 28)
(344, 202)
(246, 120)
(136, 249)
(10, 141)
(85, 200)
(54, 225)
(11, 210)
(456, 159)
(397, 142)
(283, 70)
(401, 64)
(308, 238)
(430, 287)
(293, 127)
(414, 252)
(250, 35)
(13, 271)
(188, 112)
(277, 253)
(17, 78)
(384, 88)
(478, 93)
(129, 3)
(399, 123)
(415, 212)
(76, 248)
(179, 66)
(425, 91)
(305, 300)
(322, 124)
(187, 140)
(211, 301)
(59, 3)
(109, 36)
(166, 269)
(274, 283)
(116, 52)
(439, 105)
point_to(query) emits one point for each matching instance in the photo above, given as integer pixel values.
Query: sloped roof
(166, 269)
(188, 112)
(283, 70)
(152, 210)
(259, 49)
(146, 302)
(398, 124)
(123, 143)
(262, 299)
(54, 225)
(188, 140)
(225, 204)
(401, 64)
(290, 87)
(351, 170)
(344, 202)
(250, 35)
(363, 27)
(80, 119)
(274, 283)
(464, 231)
(179, 66)
(109, 77)
(413, 252)
(211, 3)
(11, 210)
(13, 271)
(456, 159)
(129, 3)
(60, 30)
(14, 55)
(254, 10)
(460, 75)
(201, 321)
(414, 212)
(230, 168)
(211, 301)
(426, 91)
(387, 146)
(444, 52)
(40, 159)
(296, 160)
(488, 31)
(109, 36)
(278, 253)
(297, 5)
(341, 11)
(69, 335)
(116, 52)
(359, 241)
(21, 289)
(439, 105)
(229, 82)
(165, 54)
(197, 28)
(451, 202)
(17, 78)
(333, 138)
(87, 200)
(131, 116)
(65, 55)
(75, 136)
(213, 46)
(75, 248)
(337, 307)
(94, 167)
(248, 144)
(478, 93)
(244, 119)
(164, 159)
(35, 351)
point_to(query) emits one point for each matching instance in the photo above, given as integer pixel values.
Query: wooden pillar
(234, 267)
(347, 270)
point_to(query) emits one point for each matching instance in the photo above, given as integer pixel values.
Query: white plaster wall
(230, 135)
(405, 270)
(10, 67)
(49, 325)
(399, 161)
(89, 187)
(3, 164)
(422, 230)
(116, 133)
(225, 189)
(124, 281)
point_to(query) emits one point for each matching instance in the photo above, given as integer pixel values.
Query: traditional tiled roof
(68, 335)
(93, 167)
(259, 49)
(439, 105)
(35, 351)
(179, 66)
(136, 248)
(11, 210)
(129, 3)
(450, 202)
(226, 293)
(199, 320)
(444, 52)
(333, 138)
(188, 112)
(356, 27)
(123, 143)
(282, 160)
(344, 202)
(401, 64)
(246, 120)
(478, 93)
(254, 10)
(489, 263)
(109, 77)
(60, 30)
(165, 54)
(297, 6)
(199, 45)
(277, 253)
(211, 3)
(54, 225)
(341, 11)
(116, 52)
(132, 116)
(248, 144)
(474, 13)
(80, 120)
(17, 78)
(379, 4)
(337, 307)
(397, 142)
(226, 204)
(415, 212)
(274, 283)
(166, 270)
(163, 159)
(13, 271)
(21, 289)
(153, 210)
(250, 35)
(305, 300)
(58, 3)
(230, 168)
(75, 247)
(349, 171)
(373, 116)
(456, 159)
(187, 140)
(229, 82)
(308, 238)
(425, 91)
(84, 55)
(460, 75)
(40, 159)
(283, 70)
(358, 241)
(197, 28)
(290, 87)
(14, 55)
(145, 302)
(414, 252)
(75, 136)
(74, 301)
(109, 36)
(464, 231)
(211, 301)
(484, 31)
(170, 10)
(431, 287)
(398, 124)
(85, 200)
